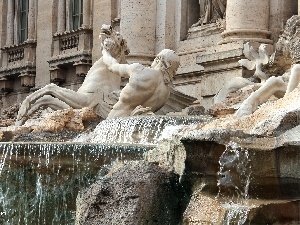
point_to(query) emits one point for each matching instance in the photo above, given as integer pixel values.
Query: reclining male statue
(100, 91)
(93, 93)
(148, 87)
(287, 56)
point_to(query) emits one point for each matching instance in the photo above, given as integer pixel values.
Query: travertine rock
(271, 119)
(231, 103)
(9, 115)
(135, 193)
(203, 209)
(69, 119)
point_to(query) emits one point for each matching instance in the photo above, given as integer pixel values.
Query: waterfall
(233, 182)
(39, 182)
(145, 130)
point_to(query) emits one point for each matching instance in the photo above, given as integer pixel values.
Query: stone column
(61, 16)
(247, 20)
(86, 11)
(10, 23)
(298, 7)
(138, 25)
(31, 20)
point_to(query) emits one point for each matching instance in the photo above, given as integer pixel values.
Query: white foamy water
(136, 130)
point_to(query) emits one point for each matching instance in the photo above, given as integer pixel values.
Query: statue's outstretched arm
(114, 66)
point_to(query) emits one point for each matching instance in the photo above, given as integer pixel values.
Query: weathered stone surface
(170, 155)
(68, 119)
(9, 115)
(135, 193)
(232, 101)
(271, 119)
(74, 120)
(203, 209)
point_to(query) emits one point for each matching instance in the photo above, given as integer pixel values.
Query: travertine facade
(59, 40)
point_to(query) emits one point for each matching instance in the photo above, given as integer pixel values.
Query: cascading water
(144, 130)
(233, 182)
(39, 182)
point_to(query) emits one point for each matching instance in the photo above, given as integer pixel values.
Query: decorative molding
(18, 61)
(71, 48)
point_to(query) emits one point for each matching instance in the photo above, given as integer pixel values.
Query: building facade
(57, 40)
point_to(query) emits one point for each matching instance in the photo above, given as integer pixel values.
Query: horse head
(118, 45)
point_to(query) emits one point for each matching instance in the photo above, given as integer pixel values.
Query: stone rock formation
(134, 193)
(68, 119)
(75, 120)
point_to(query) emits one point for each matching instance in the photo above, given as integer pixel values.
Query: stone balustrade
(15, 55)
(69, 42)
(71, 48)
(18, 61)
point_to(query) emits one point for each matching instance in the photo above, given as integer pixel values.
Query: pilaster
(10, 23)
(86, 14)
(61, 16)
(32, 20)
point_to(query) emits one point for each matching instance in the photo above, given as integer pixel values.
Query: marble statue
(148, 87)
(213, 10)
(94, 91)
(287, 56)
(255, 60)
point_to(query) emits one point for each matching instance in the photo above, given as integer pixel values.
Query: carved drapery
(210, 11)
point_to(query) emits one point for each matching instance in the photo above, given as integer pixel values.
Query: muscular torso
(146, 87)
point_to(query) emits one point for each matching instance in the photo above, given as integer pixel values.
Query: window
(76, 14)
(23, 27)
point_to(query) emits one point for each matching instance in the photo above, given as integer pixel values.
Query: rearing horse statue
(94, 92)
